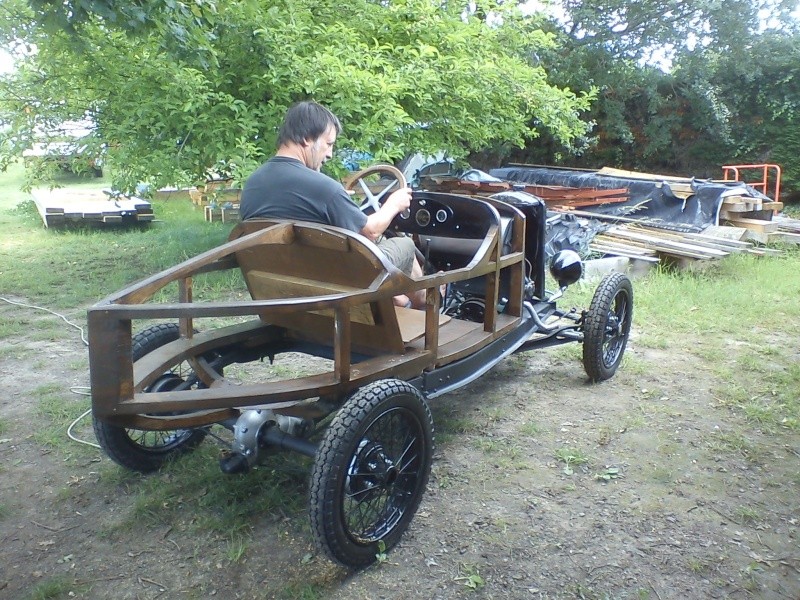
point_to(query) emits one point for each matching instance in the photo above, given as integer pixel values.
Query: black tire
(138, 449)
(370, 472)
(607, 326)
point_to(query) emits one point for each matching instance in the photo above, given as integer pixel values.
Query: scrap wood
(570, 205)
(757, 225)
(554, 196)
(727, 232)
(695, 239)
(607, 245)
(784, 237)
(660, 242)
(637, 175)
(721, 242)
(570, 193)
(788, 224)
(61, 205)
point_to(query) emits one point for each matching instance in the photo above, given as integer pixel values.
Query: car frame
(328, 293)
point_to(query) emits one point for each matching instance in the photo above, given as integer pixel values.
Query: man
(291, 186)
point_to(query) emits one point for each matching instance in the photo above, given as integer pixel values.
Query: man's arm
(378, 221)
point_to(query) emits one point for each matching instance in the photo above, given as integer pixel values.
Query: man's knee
(400, 251)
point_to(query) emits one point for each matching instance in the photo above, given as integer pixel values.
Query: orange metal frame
(734, 172)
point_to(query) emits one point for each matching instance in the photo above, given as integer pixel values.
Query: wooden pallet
(62, 206)
(221, 213)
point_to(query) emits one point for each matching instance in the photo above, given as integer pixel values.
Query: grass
(571, 457)
(61, 586)
(37, 261)
(192, 494)
(56, 409)
(732, 320)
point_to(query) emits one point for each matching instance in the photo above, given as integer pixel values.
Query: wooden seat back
(316, 261)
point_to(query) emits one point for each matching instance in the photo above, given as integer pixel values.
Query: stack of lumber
(60, 206)
(788, 231)
(226, 213)
(215, 191)
(554, 196)
(751, 213)
(655, 245)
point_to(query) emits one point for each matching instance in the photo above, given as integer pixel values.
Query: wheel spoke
(380, 195)
(375, 500)
(370, 199)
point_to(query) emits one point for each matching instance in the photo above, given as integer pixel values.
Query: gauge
(441, 215)
(405, 214)
(423, 217)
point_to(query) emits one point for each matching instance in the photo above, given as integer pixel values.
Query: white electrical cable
(87, 392)
(60, 316)
(74, 390)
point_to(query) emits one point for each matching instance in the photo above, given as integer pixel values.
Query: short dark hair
(306, 120)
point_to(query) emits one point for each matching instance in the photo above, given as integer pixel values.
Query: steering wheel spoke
(371, 186)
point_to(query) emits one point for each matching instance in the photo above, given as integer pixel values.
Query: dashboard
(448, 215)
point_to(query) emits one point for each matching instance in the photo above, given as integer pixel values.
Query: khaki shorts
(400, 251)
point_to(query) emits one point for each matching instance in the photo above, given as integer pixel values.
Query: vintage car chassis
(328, 293)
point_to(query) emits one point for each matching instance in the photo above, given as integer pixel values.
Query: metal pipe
(275, 437)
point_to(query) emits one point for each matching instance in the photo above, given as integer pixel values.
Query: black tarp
(649, 199)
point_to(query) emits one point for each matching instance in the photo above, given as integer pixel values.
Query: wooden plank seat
(328, 263)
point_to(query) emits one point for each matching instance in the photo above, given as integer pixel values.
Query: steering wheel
(369, 187)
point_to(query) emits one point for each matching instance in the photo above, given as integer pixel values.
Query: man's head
(313, 128)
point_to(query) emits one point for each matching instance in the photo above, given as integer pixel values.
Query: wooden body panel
(310, 286)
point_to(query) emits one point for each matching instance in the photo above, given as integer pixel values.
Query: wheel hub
(372, 473)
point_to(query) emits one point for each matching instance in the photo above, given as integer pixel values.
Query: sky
(6, 62)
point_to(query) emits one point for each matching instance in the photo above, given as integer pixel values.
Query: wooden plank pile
(554, 196)
(226, 213)
(60, 206)
(751, 213)
(788, 231)
(651, 244)
(215, 191)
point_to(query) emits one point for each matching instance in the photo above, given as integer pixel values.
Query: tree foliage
(682, 87)
(176, 89)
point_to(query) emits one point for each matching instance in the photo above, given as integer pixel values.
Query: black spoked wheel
(607, 326)
(371, 471)
(138, 449)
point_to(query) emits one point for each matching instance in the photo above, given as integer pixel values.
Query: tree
(760, 91)
(668, 76)
(403, 76)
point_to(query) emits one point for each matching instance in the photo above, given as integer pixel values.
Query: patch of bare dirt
(670, 495)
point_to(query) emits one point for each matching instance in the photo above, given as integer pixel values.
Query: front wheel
(370, 472)
(142, 450)
(606, 326)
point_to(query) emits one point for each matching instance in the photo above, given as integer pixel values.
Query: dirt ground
(671, 493)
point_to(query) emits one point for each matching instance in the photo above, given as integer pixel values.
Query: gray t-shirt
(284, 188)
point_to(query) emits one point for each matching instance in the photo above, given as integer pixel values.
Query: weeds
(55, 587)
(469, 577)
(571, 457)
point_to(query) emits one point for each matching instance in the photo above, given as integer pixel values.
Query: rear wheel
(370, 472)
(607, 326)
(143, 450)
